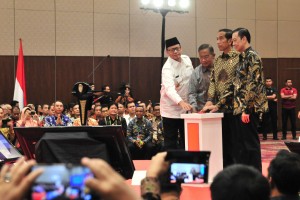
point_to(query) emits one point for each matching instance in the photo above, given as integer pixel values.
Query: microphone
(99, 64)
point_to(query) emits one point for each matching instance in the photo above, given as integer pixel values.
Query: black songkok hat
(171, 42)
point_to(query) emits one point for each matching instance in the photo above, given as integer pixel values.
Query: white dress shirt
(174, 74)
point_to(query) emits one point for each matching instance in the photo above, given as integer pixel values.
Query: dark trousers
(228, 139)
(247, 147)
(144, 153)
(171, 129)
(271, 115)
(288, 113)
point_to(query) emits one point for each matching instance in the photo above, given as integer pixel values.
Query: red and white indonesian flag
(20, 86)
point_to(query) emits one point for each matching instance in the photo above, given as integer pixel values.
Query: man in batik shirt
(221, 91)
(139, 135)
(58, 119)
(250, 100)
(158, 138)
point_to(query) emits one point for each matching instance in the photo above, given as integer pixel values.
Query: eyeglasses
(174, 49)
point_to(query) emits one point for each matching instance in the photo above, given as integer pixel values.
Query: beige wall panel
(249, 24)
(7, 32)
(35, 4)
(266, 38)
(288, 42)
(241, 9)
(111, 35)
(75, 5)
(207, 30)
(288, 10)
(74, 34)
(266, 9)
(37, 30)
(111, 6)
(215, 9)
(145, 35)
(6, 4)
(183, 28)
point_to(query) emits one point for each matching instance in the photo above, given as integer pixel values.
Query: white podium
(203, 132)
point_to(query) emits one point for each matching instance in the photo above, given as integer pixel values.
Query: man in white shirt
(176, 73)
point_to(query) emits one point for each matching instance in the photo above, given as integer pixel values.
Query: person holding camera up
(28, 118)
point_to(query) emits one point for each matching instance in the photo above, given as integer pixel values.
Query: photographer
(28, 118)
(15, 181)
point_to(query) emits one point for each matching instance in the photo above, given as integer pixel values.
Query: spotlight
(184, 4)
(158, 3)
(171, 3)
(145, 2)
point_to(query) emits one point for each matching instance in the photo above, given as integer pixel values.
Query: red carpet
(270, 147)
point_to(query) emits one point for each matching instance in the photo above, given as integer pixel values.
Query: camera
(188, 166)
(62, 181)
(32, 112)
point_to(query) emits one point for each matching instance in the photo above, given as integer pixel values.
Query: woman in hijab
(28, 118)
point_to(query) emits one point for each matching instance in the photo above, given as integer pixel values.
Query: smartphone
(62, 181)
(188, 166)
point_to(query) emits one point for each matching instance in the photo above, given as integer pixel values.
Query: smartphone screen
(188, 173)
(61, 181)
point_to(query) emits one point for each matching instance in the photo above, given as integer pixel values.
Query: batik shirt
(249, 87)
(51, 121)
(157, 129)
(139, 129)
(220, 90)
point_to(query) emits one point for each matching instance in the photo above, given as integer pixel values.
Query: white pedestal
(203, 132)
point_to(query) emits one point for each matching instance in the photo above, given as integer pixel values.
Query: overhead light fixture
(179, 6)
(171, 3)
(145, 2)
(184, 4)
(164, 7)
(158, 3)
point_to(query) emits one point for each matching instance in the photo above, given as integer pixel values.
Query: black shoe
(295, 138)
(275, 139)
(283, 138)
(265, 138)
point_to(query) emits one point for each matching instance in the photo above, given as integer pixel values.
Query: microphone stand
(99, 64)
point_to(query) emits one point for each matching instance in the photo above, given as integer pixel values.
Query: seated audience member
(158, 138)
(126, 95)
(121, 110)
(97, 113)
(104, 111)
(139, 135)
(75, 113)
(108, 184)
(15, 114)
(6, 126)
(45, 112)
(51, 110)
(284, 176)
(28, 118)
(58, 119)
(113, 118)
(240, 182)
(130, 107)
